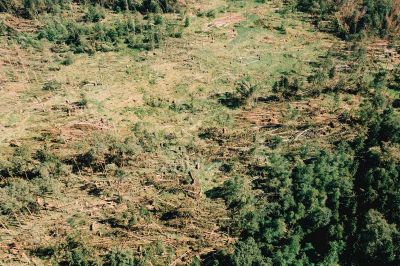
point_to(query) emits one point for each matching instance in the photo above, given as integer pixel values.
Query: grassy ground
(166, 102)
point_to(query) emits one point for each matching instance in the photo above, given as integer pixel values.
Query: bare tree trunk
(126, 5)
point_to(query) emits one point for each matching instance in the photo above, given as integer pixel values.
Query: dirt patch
(19, 24)
(383, 50)
(78, 130)
(268, 39)
(226, 20)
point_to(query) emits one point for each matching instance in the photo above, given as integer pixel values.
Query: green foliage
(158, 19)
(158, 6)
(244, 89)
(187, 22)
(317, 6)
(94, 14)
(313, 199)
(106, 150)
(92, 33)
(235, 194)
(211, 13)
(118, 257)
(8, 5)
(336, 206)
(287, 87)
(26, 165)
(247, 253)
(68, 34)
(49, 164)
(126, 219)
(380, 79)
(32, 8)
(80, 257)
(394, 79)
(20, 195)
(183, 107)
(325, 72)
(88, 38)
(122, 258)
(382, 121)
(78, 253)
(378, 241)
(372, 16)
(376, 15)
(3, 29)
(68, 60)
(325, 207)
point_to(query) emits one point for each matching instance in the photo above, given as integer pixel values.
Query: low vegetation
(199, 132)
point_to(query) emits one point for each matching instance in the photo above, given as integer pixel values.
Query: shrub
(3, 29)
(18, 196)
(94, 14)
(54, 31)
(243, 91)
(24, 164)
(31, 8)
(319, 77)
(52, 85)
(211, 14)
(77, 252)
(158, 19)
(288, 87)
(68, 60)
(117, 257)
(104, 150)
(394, 79)
(126, 219)
(187, 22)
(9, 5)
(49, 165)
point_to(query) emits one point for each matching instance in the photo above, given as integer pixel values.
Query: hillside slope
(112, 153)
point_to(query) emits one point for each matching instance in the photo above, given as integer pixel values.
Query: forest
(228, 132)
